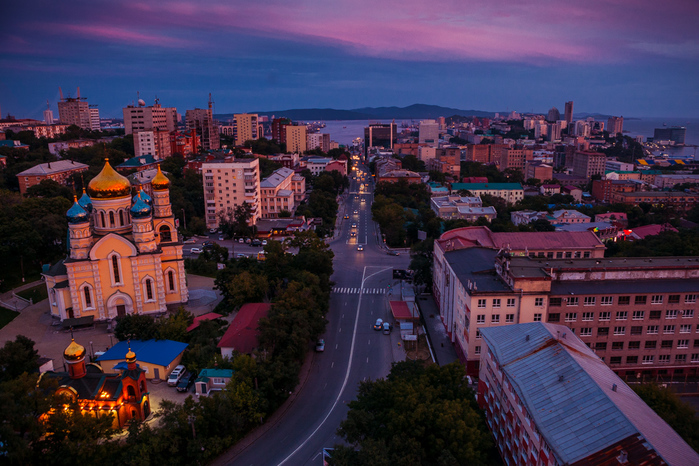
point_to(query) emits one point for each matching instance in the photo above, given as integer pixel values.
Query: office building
(568, 116)
(142, 118)
(586, 164)
(428, 132)
(615, 125)
(295, 138)
(228, 183)
(382, 135)
(246, 127)
(549, 400)
(536, 169)
(201, 120)
(76, 111)
(675, 134)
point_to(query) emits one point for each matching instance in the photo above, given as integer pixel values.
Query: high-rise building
(554, 131)
(615, 125)
(582, 128)
(318, 141)
(569, 112)
(202, 121)
(278, 131)
(553, 115)
(48, 114)
(227, 184)
(675, 134)
(296, 138)
(76, 111)
(380, 135)
(95, 118)
(586, 164)
(246, 127)
(155, 142)
(428, 132)
(142, 118)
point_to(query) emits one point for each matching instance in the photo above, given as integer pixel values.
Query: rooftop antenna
(78, 92)
(60, 92)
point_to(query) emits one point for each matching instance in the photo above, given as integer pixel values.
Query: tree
(417, 415)
(174, 327)
(18, 357)
(135, 327)
(421, 262)
(245, 287)
(673, 410)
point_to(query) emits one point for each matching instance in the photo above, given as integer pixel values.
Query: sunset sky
(622, 57)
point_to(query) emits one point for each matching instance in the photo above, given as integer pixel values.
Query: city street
(354, 351)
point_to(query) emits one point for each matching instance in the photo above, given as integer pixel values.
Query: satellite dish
(141, 103)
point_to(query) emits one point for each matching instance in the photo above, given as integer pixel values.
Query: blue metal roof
(159, 352)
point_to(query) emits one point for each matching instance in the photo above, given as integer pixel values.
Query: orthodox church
(125, 256)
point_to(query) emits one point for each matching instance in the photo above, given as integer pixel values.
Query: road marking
(333, 363)
(367, 360)
(339, 329)
(369, 342)
(347, 372)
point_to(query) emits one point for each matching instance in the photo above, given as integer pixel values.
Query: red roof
(400, 310)
(241, 335)
(651, 230)
(207, 316)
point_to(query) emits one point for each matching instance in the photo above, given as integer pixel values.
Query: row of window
(511, 302)
(509, 318)
(561, 255)
(606, 316)
(650, 359)
(622, 300)
(649, 345)
(638, 330)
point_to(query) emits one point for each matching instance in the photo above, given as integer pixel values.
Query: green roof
(484, 186)
(223, 373)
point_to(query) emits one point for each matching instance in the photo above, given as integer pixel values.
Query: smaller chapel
(123, 396)
(124, 253)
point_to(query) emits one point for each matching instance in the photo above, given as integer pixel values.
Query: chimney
(613, 387)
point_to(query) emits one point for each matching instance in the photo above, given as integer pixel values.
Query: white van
(175, 375)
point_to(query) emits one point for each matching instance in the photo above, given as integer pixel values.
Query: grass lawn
(36, 294)
(6, 316)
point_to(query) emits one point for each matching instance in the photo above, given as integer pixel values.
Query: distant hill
(415, 111)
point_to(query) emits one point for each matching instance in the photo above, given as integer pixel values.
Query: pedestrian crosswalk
(341, 290)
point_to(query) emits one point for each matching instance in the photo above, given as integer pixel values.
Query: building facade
(59, 171)
(201, 120)
(295, 138)
(279, 192)
(586, 164)
(246, 127)
(227, 184)
(142, 118)
(510, 192)
(615, 125)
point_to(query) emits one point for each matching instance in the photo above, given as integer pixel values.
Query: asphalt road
(353, 350)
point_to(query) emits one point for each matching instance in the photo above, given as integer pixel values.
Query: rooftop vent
(527, 338)
(560, 378)
(614, 387)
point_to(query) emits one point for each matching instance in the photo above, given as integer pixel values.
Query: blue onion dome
(140, 209)
(144, 195)
(76, 214)
(85, 202)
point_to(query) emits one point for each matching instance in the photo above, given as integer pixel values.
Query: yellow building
(125, 256)
(295, 139)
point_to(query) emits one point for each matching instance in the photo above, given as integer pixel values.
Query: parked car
(320, 345)
(264, 242)
(186, 382)
(393, 253)
(175, 376)
(248, 240)
(213, 230)
(256, 242)
(220, 238)
(387, 328)
(379, 324)
(240, 255)
(195, 250)
(241, 241)
(189, 241)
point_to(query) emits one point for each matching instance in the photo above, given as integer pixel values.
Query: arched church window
(88, 297)
(111, 219)
(171, 280)
(149, 289)
(104, 223)
(165, 234)
(115, 268)
(121, 218)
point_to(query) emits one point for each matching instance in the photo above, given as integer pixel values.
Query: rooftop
(276, 178)
(50, 168)
(241, 334)
(476, 266)
(484, 186)
(159, 352)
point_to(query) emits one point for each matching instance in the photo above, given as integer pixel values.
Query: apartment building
(318, 141)
(295, 138)
(510, 192)
(246, 127)
(602, 190)
(586, 164)
(615, 125)
(201, 120)
(280, 191)
(463, 208)
(549, 400)
(279, 129)
(484, 153)
(142, 118)
(678, 200)
(76, 111)
(227, 184)
(154, 142)
(536, 169)
(59, 171)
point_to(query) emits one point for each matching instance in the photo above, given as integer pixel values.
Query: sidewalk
(442, 347)
(10, 301)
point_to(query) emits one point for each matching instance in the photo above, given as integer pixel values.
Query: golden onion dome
(74, 351)
(108, 184)
(130, 356)
(160, 182)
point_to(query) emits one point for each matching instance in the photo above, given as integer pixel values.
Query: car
(387, 328)
(264, 242)
(393, 253)
(354, 225)
(256, 242)
(220, 238)
(240, 255)
(195, 250)
(320, 345)
(213, 230)
(346, 216)
(363, 200)
(356, 211)
(189, 241)
(353, 233)
(248, 240)
(186, 382)
(241, 241)
(379, 324)
(207, 243)
(360, 247)
(175, 376)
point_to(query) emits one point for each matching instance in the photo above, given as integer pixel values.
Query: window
(111, 219)
(695, 357)
(571, 316)
(586, 332)
(88, 297)
(586, 254)
(639, 315)
(640, 300)
(615, 360)
(104, 223)
(624, 300)
(619, 330)
(480, 319)
(602, 331)
(588, 316)
(687, 328)
(607, 300)
(477, 350)
(495, 318)
(621, 315)
(631, 359)
(115, 269)
(573, 301)
(121, 217)
(688, 313)
(654, 315)
(589, 300)
(673, 299)
(559, 255)
(648, 359)
(510, 302)
(618, 345)
(690, 298)
(651, 344)
(478, 334)
(171, 280)
(496, 302)
(554, 302)
(668, 329)
(600, 346)
(538, 302)
(636, 330)
(696, 343)
(666, 344)
(554, 317)
(634, 345)
(537, 317)
(671, 314)
(652, 330)
(509, 318)
(569, 255)
(664, 358)
(165, 234)
(149, 289)
(481, 303)
(680, 358)
(682, 344)
(605, 315)
(656, 299)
